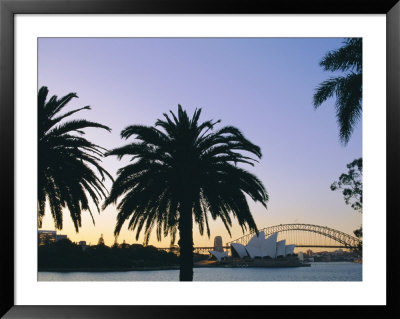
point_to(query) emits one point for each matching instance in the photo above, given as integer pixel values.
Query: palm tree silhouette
(66, 162)
(179, 174)
(347, 88)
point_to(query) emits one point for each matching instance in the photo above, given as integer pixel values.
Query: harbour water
(319, 271)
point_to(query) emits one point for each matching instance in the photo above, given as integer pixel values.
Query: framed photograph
(265, 125)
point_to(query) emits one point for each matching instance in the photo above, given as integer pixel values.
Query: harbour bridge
(301, 235)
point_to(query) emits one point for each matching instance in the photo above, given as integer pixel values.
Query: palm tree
(66, 162)
(179, 174)
(347, 88)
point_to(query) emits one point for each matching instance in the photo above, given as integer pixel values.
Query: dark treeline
(65, 254)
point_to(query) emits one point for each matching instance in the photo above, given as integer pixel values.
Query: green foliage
(67, 255)
(347, 88)
(67, 162)
(358, 232)
(351, 185)
(100, 241)
(180, 173)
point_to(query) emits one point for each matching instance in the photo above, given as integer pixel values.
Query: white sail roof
(280, 248)
(258, 246)
(240, 250)
(257, 240)
(219, 255)
(269, 245)
(289, 249)
(255, 245)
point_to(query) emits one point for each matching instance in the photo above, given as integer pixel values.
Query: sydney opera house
(258, 247)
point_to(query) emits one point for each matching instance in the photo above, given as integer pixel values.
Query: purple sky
(263, 86)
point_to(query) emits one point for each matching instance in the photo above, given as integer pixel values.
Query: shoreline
(176, 267)
(108, 269)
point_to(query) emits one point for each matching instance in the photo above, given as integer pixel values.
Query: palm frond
(67, 163)
(179, 163)
(347, 88)
(346, 58)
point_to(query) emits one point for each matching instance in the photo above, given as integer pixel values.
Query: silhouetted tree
(65, 255)
(347, 88)
(66, 161)
(115, 242)
(101, 240)
(358, 232)
(350, 184)
(181, 173)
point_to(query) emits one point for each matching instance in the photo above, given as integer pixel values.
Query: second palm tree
(180, 174)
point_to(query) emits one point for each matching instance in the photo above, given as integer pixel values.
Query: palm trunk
(186, 244)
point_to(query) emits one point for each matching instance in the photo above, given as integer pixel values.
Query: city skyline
(262, 86)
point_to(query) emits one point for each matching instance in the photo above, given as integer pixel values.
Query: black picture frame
(8, 10)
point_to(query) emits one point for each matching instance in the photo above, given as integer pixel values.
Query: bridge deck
(229, 247)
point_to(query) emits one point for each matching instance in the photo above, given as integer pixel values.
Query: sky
(263, 86)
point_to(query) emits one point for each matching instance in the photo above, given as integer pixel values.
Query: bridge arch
(344, 239)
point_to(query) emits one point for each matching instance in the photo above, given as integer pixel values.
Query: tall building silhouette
(218, 244)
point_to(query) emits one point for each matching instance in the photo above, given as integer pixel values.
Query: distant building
(218, 252)
(218, 244)
(83, 245)
(46, 237)
(61, 237)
